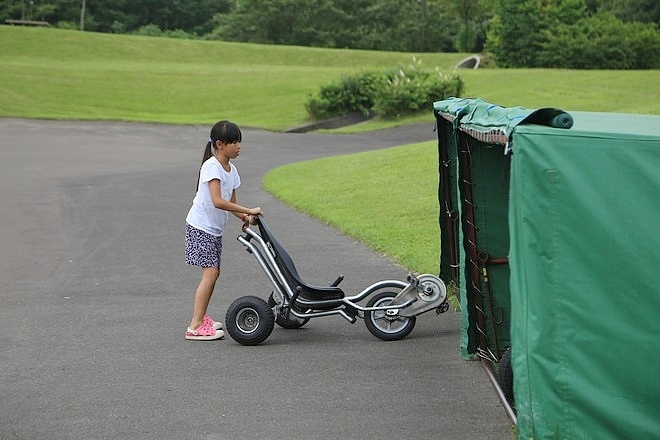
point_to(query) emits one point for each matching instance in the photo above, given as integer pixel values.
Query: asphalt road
(95, 298)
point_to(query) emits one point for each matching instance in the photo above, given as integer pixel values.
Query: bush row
(602, 42)
(403, 91)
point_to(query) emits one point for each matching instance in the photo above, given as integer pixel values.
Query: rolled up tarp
(480, 115)
(495, 124)
(551, 117)
(563, 120)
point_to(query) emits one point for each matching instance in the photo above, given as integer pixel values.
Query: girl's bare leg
(203, 295)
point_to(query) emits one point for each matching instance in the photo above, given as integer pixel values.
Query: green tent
(474, 188)
(553, 219)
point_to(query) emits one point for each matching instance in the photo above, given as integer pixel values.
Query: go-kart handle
(246, 223)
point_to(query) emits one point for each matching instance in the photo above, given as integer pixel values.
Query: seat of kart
(288, 268)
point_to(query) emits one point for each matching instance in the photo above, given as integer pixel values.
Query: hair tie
(211, 140)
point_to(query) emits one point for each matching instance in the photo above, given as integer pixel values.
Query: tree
(513, 36)
(602, 41)
(643, 11)
(468, 12)
(570, 34)
(194, 16)
(412, 25)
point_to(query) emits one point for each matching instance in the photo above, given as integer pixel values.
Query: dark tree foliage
(192, 16)
(408, 25)
(578, 34)
(643, 11)
(514, 34)
(602, 41)
(520, 33)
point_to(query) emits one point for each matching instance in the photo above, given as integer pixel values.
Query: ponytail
(208, 153)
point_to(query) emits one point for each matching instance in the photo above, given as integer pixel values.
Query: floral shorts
(202, 248)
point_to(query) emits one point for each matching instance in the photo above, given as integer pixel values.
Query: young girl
(205, 223)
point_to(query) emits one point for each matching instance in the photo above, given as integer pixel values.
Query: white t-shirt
(203, 215)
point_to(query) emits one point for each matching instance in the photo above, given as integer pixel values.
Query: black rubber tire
(505, 375)
(384, 327)
(249, 320)
(290, 324)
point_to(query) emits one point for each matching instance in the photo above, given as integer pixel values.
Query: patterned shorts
(202, 248)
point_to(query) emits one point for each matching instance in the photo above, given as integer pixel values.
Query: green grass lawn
(63, 74)
(379, 199)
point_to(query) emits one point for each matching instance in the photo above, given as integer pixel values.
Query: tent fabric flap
(583, 225)
(492, 123)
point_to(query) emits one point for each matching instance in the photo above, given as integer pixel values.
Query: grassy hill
(52, 73)
(64, 74)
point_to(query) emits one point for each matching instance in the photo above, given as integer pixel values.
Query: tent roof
(491, 123)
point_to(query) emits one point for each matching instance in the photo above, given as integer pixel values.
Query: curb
(337, 122)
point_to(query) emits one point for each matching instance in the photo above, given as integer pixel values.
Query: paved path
(95, 297)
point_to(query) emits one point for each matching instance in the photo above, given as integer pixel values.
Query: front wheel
(249, 320)
(387, 325)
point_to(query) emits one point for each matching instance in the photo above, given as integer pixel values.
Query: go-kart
(389, 314)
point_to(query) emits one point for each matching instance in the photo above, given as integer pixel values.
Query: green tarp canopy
(575, 212)
(474, 169)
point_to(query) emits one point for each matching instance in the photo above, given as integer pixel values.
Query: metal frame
(258, 247)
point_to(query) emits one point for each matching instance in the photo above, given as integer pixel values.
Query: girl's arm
(241, 216)
(230, 205)
(247, 219)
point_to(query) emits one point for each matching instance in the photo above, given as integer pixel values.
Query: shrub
(401, 91)
(602, 42)
(152, 30)
(149, 30)
(67, 25)
(351, 94)
(410, 90)
(487, 60)
(568, 34)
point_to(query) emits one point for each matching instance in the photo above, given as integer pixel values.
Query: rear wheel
(387, 325)
(249, 320)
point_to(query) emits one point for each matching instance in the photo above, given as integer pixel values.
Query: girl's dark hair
(224, 131)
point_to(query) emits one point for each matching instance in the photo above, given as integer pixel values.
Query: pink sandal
(215, 324)
(205, 332)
